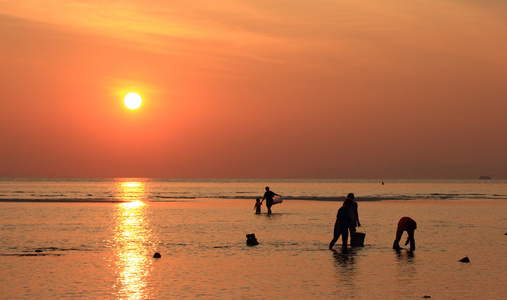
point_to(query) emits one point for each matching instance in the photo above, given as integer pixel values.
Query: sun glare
(132, 100)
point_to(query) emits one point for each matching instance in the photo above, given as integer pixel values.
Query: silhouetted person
(341, 227)
(409, 225)
(257, 206)
(268, 195)
(351, 204)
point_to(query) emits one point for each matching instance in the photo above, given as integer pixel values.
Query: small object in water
(251, 240)
(426, 296)
(157, 255)
(358, 240)
(38, 250)
(465, 259)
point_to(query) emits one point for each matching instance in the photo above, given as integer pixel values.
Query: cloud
(329, 84)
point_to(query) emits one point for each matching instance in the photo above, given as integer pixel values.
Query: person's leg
(411, 239)
(396, 244)
(268, 205)
(335, 238)
(336, 234)
(345, 237)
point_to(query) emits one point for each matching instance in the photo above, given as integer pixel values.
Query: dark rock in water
(251, 240)
(38, 250)
(426, 296)
(465, 259)
(157, 255)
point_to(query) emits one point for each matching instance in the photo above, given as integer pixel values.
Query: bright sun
(133, 101)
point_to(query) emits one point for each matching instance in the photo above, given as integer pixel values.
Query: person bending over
(409, 225)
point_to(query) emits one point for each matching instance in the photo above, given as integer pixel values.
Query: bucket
(358, 240)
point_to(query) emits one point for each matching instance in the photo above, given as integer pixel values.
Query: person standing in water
(351, 204)
(257, 206)
(341, 227)
(409, 225)
(268, 195)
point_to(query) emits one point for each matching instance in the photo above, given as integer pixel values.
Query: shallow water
(104, 251)
(169, 190)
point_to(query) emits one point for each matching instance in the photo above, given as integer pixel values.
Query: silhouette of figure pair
(347, 219)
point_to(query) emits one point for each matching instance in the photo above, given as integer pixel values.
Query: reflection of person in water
(268, 195)
(409, 225)
(341, 227)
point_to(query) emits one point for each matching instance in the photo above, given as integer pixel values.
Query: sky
(254, 89)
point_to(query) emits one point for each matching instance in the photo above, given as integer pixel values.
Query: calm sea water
(166, 190)
(94, 239)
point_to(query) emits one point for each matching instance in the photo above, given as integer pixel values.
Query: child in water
(257, 206)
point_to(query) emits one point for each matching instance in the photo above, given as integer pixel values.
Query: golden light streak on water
(132, 234)
(130, 191)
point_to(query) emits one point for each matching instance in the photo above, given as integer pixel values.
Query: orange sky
(371, 89)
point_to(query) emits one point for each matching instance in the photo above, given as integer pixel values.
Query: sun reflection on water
(132, 235)
(130, 191)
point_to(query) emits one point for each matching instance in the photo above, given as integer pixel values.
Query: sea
(96, 239)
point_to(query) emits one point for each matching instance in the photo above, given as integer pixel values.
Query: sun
(132, 100)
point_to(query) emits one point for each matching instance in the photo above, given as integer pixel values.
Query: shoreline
(187, 200)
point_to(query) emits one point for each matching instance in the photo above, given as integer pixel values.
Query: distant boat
(484, 177)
